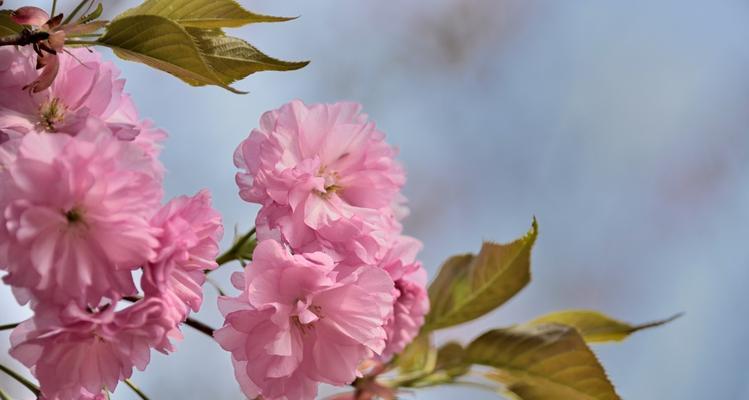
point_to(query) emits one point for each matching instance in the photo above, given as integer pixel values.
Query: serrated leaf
(418, 356)
(596, 327)
(202, 13)
(542, 362)
(162, 44)
(469, 286)
(196, 56)
(233, 59)
(7, 26)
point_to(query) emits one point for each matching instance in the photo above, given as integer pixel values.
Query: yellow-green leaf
(202, 13)
(418, 356)
(450, 364)
(162, 44)
(596, 327)
(451, 359)
(542, 362)
(233, 59)
(469, 286)
(7, 26)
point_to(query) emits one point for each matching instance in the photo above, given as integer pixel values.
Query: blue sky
(622, 126)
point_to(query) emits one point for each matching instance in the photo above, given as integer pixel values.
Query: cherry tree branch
(26, 37)
(192, 323)
(8, 326)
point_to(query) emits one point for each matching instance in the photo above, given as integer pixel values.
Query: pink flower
(410, 307)
(85, 87)
(325, 170)
(188, 245)
(411, 299)
(74, 217)
(76, 353)
(299, 321)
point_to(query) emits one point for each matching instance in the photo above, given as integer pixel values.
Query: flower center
(51, 114)
(306, 317)
(331, 181)
(74, 216)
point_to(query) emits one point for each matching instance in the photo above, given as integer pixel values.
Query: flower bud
(28, 15)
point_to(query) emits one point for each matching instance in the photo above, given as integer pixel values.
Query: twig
(9, 326)
(192, 323)
(195, 324)
(24, 38)
(135, 389)
(23, 381)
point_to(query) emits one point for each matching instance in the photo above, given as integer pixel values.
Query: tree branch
(26, 37)
(192, 323)
(9, 326)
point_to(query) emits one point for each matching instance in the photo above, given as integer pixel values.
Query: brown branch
(9, 326)
(192, 323)
(26, 37)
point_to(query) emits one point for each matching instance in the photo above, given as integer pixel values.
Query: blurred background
(622, 126)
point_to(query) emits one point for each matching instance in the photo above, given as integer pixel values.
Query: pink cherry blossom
(411, 299)
(76, 353)
(323, 173)
(74, 217)
(300, 321)
(188, 245)
(409, 309)
(84, 87)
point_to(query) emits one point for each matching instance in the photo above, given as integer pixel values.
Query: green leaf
(418, 356)
(198, 57)
(469, 286)
(596, 327)
(449, 364)
(93, 15)
(542, 362)
(7, 26)
(451, 359)
(202, 13)
(233, 59)
(162, 44)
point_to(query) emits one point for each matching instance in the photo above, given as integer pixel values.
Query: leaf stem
(9, 326)
(54, 7)
(3, 395)
(233, 252)
(75, 11)
(23, 381)
(136, 389)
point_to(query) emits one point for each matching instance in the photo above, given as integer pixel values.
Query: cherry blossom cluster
(81, 217)
(333, 282)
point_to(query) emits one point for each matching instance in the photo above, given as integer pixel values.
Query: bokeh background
(622, 126)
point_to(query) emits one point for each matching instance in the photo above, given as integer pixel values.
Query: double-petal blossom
(74, 218)
(299, 321)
